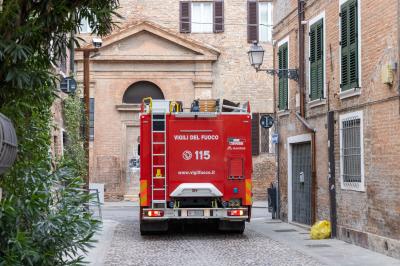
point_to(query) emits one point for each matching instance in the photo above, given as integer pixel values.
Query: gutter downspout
(301, 11)
(313, 165)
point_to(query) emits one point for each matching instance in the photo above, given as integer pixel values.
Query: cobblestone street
(203, 245)
(197, 247)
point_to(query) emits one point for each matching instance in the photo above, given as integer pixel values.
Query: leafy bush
(43, 218)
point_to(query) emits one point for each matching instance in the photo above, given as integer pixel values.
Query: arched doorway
(134, 94)
(142, 89)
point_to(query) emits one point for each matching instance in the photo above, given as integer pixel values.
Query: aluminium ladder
(158, 154)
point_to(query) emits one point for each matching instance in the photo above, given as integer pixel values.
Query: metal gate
(301, 183)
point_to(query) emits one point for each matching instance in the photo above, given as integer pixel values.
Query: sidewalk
(327, 251)
(96, 255)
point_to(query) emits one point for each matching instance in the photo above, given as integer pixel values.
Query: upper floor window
(201, 17)
(259, 21)
(265, 21)
(202, 13)
(85, 26)
(349, 41)
(317, 60)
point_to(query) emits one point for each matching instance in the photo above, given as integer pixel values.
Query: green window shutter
(283, 80)
(320, 59)
(285, 77)
(349, 43)
(353, 49)
(313, 64)
(316, 61)
(280, 91)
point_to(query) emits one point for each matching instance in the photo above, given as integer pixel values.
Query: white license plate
(195, 213)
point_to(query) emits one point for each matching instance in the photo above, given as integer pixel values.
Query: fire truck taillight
(235, 212)
(154, 213)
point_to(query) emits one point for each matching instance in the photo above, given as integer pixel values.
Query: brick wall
(370, 218)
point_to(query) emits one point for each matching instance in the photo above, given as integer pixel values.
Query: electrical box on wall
(387, 75)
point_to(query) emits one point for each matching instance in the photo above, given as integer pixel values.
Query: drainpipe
(72, 55)
(301, 10)
(313, 165)
(332, 175)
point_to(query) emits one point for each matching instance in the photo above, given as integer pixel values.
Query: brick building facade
(351, 57)
(179, 50)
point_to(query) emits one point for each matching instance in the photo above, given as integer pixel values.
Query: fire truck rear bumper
(198, 214)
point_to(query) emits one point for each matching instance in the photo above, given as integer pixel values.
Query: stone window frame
(355, 186)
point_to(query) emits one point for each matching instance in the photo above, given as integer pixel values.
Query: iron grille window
(351, 142)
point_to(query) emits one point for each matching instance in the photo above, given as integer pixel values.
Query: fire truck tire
(232, 226)
(153, 227)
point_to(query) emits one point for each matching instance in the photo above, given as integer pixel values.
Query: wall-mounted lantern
(256, 58)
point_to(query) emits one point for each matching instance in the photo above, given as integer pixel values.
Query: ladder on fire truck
(158, 159)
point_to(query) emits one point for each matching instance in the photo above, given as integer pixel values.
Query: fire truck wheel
(232, 226)
(153, 227)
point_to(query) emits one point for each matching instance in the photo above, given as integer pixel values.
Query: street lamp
(97, 42)
(256, 57)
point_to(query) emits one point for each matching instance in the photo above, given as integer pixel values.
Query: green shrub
(43, 214)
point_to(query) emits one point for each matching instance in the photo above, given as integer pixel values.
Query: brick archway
(141, 89)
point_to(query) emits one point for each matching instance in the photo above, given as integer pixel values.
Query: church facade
(174, 50)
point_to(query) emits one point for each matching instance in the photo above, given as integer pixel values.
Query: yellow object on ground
(321, 230)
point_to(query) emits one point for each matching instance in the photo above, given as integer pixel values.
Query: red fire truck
(195, 164)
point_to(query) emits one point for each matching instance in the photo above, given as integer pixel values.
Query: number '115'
(203, 155)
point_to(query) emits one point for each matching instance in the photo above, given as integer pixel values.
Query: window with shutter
(218, 16)
(316, 61)
(252, 21)
(255, 134)
(283, 77)
(351, 151)
(184, 17)
(349, 45)
(202, 17)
